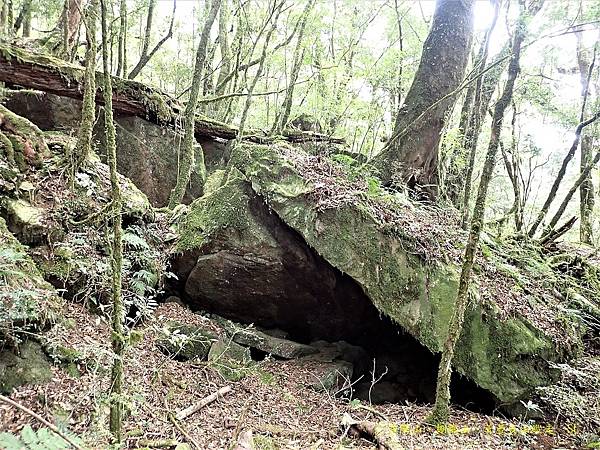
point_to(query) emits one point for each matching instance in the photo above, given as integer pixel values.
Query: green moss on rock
(185, 342)
(27, 302)
(505, 356)
(30, 366)
(231, 360)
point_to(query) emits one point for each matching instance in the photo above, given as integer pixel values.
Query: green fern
(134, 241)
(43, 439)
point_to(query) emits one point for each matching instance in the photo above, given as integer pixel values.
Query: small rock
(250, 337)
(185, 342)
(31, 366)
(230, 359)
(333, 376)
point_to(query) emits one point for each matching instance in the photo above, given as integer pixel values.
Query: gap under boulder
(285, 239)
(265, 274)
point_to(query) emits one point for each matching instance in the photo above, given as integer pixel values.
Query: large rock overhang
(506, 356)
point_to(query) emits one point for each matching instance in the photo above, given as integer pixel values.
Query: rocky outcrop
(27, 302)
(272, 243)
(147, 153)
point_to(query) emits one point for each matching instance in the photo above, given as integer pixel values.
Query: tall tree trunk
(411, 155)
(88, 111)
(441, 409)
(273, 17)
(283, 117)
(118, 314)
(145, 56)
(188, 153)
(471, 137)
(586, 191)
(122, 46)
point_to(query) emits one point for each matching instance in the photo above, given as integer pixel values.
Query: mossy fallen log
(20, 67)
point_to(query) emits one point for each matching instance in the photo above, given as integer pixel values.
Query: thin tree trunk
(88, 111)
(118, 314)
(399, 85)
(68, 26)
(122, 46)
(586, 204)
(283, 117)
(276, 11)
(226, 57)
(3, 15)
(471, 137)
(9, 17)
(585, 173)
(24, 19)
(188, 152)
(145, 56)
(561, 172)
(441, 409)
(411, 155)
(475, 105)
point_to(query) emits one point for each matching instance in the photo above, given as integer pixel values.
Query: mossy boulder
(29, 366)
(505, 354)
(234, 257)
(27, 302)
(230, 359)
(147, 153)
(185, 342)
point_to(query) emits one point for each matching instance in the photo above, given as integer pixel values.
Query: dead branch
(553, 235)
(40, 419)
(383, 434)
(202, 403)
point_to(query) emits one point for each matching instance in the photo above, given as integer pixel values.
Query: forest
(299, 224)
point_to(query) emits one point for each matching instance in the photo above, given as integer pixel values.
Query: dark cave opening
(290, 287)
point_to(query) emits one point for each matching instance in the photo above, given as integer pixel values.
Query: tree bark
(188, 153)
(411, 155)
(145, 56)
(22, 68)
(64, 36)
(586, 191)
(88, 110)
(441, 409)
(283, 117)
(118, 314)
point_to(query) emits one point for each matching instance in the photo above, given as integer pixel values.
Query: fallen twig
(381, 433)
(177, 425)
(202, 403)
(41, 420)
